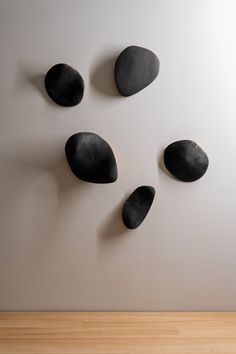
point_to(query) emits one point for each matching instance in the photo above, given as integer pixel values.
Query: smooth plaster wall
(62, 243)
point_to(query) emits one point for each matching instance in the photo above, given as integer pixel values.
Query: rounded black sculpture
(137, 206)
(64, 85)
(135, 68)
(91, 158)
(185, 160)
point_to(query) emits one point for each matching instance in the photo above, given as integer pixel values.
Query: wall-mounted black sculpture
(91, 158)
(64, 85)
(137, 206)
(135, 68)
(185, 160)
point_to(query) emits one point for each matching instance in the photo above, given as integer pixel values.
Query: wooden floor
(117, 333)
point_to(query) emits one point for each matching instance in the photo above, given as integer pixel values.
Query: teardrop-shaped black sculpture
(91, 158)
(185, 160)
(137, 206)
(135, 68)
(64, 85)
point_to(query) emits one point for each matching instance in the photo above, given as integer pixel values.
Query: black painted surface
(135, 68)
(91, 158)
(64, 85)
(186, 160)
(137, 206)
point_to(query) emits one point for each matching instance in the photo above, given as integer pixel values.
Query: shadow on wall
(111, 232)
(38, 82)
(39, 186)
(102, 76)
(46, 153)
(27, 75)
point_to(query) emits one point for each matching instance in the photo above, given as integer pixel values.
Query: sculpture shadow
(28, 76)
(112, 231)
(39, 186)
(44, 156)
(102, 77)
(38, 82)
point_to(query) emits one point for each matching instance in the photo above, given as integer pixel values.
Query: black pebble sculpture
(64, 85)
(91, 158)
(185, 160)
(137, 206)
(135, 68)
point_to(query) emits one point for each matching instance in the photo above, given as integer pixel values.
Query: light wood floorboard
(117, 333)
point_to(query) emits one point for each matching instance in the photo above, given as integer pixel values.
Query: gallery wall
(63, 245)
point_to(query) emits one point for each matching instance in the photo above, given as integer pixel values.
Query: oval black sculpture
(91, 158)
(186, 160)
(64, 85)
(135, 68)
(137, 206)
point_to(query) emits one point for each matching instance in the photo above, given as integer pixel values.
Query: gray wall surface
(62, 242)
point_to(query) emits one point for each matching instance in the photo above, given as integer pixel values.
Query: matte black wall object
(137, 206)
(185, 160)
(91, 158)
(135, 68)
(64, 85)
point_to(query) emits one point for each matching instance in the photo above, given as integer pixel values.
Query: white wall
(62, 243)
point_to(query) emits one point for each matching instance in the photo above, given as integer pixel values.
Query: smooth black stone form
(137, 206)
(185, 160)
(64, 85)
(135, 68)
(91, 158)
